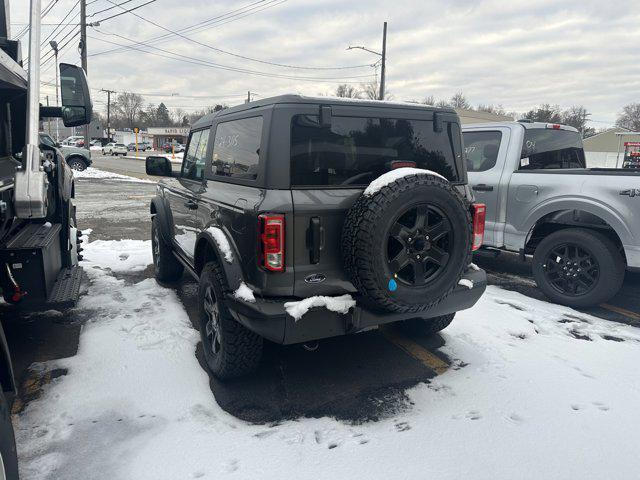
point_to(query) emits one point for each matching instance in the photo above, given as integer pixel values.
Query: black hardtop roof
(295, 98)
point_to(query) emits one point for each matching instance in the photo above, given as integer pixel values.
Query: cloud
(517, 53)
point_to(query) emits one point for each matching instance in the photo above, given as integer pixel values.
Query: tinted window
(546, 148)
(355, 151)
(195, 156)
(47, 140)
(481, 149)
(236, 151)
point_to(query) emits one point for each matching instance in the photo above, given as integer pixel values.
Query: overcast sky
(514, 53)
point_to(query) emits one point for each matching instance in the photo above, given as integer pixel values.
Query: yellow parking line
(621, 311)
(417, 351)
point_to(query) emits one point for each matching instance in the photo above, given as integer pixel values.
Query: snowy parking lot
(514, 388)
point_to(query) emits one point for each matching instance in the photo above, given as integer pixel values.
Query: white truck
(39, 242)
(581, 225)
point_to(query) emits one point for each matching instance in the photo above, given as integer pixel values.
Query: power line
(244, 57)
(108, 8)
(197, 61)
(126, 11)
(213, 22)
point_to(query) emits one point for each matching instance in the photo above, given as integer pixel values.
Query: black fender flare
(232, 269)
(161, 211)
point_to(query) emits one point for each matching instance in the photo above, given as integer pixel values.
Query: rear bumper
(268, 318)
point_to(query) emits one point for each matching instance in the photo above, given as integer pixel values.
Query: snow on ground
(94, 173)
(539, 391)
(95, 148)
(393, 175)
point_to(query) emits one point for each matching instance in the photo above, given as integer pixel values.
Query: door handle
(191, 205)
(482, 187)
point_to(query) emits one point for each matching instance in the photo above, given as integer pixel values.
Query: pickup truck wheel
(77, 164)
(406, 247)
(230, 349)
(167, 266)
(428, 326)
(8, 455)
(578, 267)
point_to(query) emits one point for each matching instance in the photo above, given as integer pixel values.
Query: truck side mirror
(77, 108)
(158, 167)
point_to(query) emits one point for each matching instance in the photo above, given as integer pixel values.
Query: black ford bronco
(306, 218)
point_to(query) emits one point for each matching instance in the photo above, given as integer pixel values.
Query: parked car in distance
(73, 141)
(173, 147)
(142, 146)
(294, 258)
(114, 149)
(581, 225)
(77, 158)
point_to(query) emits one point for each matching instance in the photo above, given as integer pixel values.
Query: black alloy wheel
(419, 245)
(212, 325)
(572, 270)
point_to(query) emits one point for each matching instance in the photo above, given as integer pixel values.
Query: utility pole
(48, 119)
(249, 96)
(384, 60)
(109, 92)
(83, 54)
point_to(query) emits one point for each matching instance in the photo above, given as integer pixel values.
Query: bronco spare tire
(406, 245)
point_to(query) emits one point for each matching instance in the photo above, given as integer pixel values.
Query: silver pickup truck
(581, 225)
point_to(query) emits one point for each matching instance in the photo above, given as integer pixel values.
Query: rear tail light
(479, 211)
(272, 240)
(554, 126)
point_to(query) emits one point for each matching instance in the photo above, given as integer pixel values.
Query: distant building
(472, 116)
(162, 135)
(606, 149)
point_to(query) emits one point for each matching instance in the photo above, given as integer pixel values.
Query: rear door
(486, 152)
(331, 165)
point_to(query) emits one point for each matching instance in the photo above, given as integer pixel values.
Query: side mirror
(77, 108)
(158, 167)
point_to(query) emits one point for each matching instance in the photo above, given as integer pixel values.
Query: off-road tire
(240, 350)
(77, 164)
(7, 441)
(167, 266)
(426, 326)
(365, 235)
(610, 260)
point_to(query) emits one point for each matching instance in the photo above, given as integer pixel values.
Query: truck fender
(208, 243)
(159, 209)
(589, 205)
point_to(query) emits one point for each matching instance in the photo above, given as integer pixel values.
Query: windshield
(546, 148)
(356, 150)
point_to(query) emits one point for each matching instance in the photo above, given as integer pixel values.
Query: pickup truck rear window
(546, 148)
(357, 150)
(481, 149)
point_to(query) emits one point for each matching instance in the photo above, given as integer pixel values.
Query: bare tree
(460, 101)
(347, 91)
(490, 108)
(371, 90)
(630, 117)
(576, 116)
(430, 100)
(129, 105)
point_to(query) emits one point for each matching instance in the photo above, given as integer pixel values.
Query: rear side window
(481, 149)
(236, 151)
(547, 148)
(357, 150)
